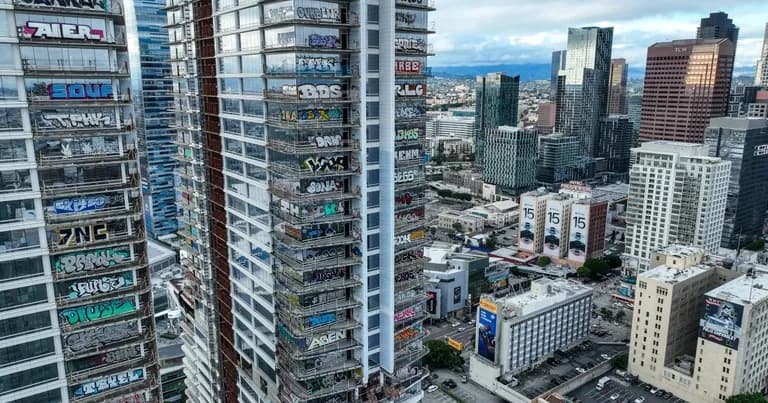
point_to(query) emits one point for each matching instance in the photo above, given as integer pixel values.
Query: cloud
(527, 31)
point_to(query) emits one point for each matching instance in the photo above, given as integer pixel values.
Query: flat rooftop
(743, 290)
(543, 294)
(680, 250)
(665, 274)
(158, 251)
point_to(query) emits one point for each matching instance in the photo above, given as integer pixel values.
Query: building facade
(687, 82)
(301, 127)
(617, 87)
(560, 160)
(615, 143)
(705, 344)
(718, 26)
(743, 142)
(677, 194)
(496, 99)
(510, 158)
(152, 97)
(761, 73)
(77, 305)
(558, 63)
(545, 123)
(530, 327)
(582, 90)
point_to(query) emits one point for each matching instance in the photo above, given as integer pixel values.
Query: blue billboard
(486, 330)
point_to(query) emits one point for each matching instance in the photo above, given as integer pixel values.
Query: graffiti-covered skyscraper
(77, 308)
(152, 97)
(300, 130)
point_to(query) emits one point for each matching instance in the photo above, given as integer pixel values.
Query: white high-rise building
(300, 129)
(677, 194)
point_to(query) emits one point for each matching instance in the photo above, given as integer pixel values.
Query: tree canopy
(441, 355)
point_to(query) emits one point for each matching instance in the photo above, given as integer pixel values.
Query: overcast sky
(475, 32)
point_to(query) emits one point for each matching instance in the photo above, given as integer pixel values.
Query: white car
(605, 356)
(615, 396)
(431, 388)
(653, 390)
(454, 324)
(580, 370)
(640, 399)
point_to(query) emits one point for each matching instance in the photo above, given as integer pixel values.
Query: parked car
(654, 390)
(667, 396)
(615, 396)
(432, 388)
(660, 392)
(464, 379)
(449, 383)
(605, 356)
(434, 375)
(580, 370)
(640, 399)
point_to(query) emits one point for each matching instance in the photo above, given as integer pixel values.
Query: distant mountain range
(532, 72)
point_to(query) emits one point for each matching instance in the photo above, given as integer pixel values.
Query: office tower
(686, 84)
(533, 210)
(617, 88)
(743, 142)
(77, 321)
(582, 92)
(300, 129)
(451, 127)
(677, 194)
(496, 98)
(558, 63)
(517, 332)
(152, 98)
(615, 143)
(761, 74)
(559, 160)
(704, 322)
(510, 158)
(718, 26)
(546, 122)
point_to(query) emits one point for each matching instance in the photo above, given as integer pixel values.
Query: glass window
(373, 177)
(373, 282)
(233, 146)
(252, 64)
(230, 106)
(373, 63)
(373, 199)
(233, 165)
(372, 86)
(373, 14)
(8, 88)
(373, 241)
(253, 108)
(373, 155)
(250, 40)
(373, 220)
(6, 55)
(227, 22)
(373, 262)
(26, 351)
(10, 119)
(255, 151)
(228, 43)
(253, 86)
(51, 396)
(373, 322)
(372, 132)
(373, 39)
(372, 110)
(23, 296)
(373, 302)
(18, 268)
(24, 324)
(253, 130)
(229, 65)
(19, 240)
(249, 17)
(374, 360)
(13, 150)
(28, 377)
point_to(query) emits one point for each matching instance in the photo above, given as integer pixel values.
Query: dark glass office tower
(153, 99)
(582, 91)
(496, 98)
(558, 63)
(718, 26)
(744, 142)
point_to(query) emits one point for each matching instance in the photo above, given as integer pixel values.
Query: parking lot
(552, 373)
(467, 392)
(622, 391)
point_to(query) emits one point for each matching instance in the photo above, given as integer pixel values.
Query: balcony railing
(59, 189)
(344, 19)
(299, 353)
(337, 239)
(317, 264)
(328, 306)
(351, 215)
(110, 7)
(94, 158)
(307, 147)
(294, 172)
(429, 5)
(298, 372)
(45, 99)
(317, 286)
(291, 193)
(304, 393)
(66, 70)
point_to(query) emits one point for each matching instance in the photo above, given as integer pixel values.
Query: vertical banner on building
(526, 240)
(486, 330)
(721, 322)
(553, 224)
(433, 304)
(456, 295)
(577, 240)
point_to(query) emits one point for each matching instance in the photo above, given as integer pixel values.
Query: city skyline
(485, 36)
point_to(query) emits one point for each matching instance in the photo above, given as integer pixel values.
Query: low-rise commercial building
(517, 332)
(469, 223)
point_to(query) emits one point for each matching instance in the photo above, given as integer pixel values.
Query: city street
(438, 332)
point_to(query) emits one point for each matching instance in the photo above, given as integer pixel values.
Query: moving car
(580, 370)
(432, 388)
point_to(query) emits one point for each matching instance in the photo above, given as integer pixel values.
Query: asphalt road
(438, 332)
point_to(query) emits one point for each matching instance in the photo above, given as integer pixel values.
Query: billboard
(456, 295)
(433, 303)
(526, 240)
(721, 322)
(486, 330)
(497, 281)
(553, 228)
(577, 239)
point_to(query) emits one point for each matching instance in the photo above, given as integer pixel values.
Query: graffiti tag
(101, 285)
(73, 120)
(108, 382)
(88, 313)
(56, 30)
(316, 64)
(94, 259)
(318, 13)
(101, 336)
(326, 339)
(94, 4)
(324, 186)
(83, 235)
(326, 164)
(319, 114)
(80, 204)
